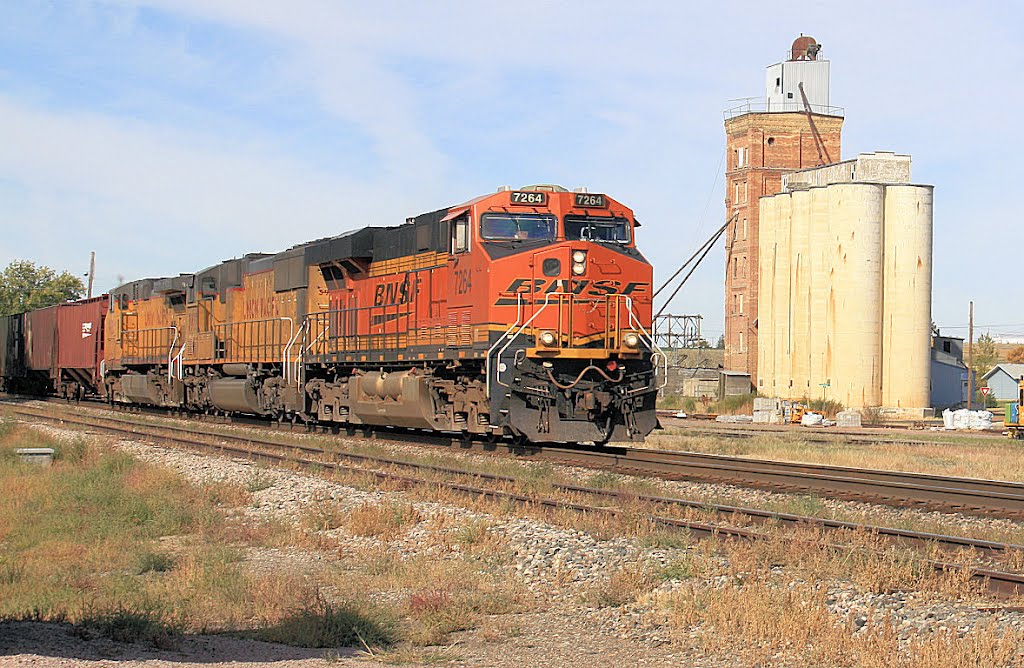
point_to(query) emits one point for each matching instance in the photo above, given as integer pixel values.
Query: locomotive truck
(524, 313)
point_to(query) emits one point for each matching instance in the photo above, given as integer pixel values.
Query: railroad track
(308, 455)
(973, 496)
(987, 498)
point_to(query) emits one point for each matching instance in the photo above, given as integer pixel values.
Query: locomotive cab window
(460, 234)
(593, 228)
(517, 227)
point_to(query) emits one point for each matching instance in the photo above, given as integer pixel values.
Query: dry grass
(436, 596)
(102, 540)
(621, 587)
(943, 454)
(770, 623)
(460, 582)
(382, 520)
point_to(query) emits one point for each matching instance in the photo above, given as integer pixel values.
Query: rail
(781, 107)
(170, 353)
(149, 344)
(522, 328)
(179, 361)
(634, 322)
(286, 361)
(248, 340)
(302, 354)
(490, 351)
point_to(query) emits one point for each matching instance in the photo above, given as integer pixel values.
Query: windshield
(517, 226)
(591, 228)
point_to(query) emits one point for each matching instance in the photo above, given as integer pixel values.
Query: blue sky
(170, 135)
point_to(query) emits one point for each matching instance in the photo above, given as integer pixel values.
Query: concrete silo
(800, 299)
(846, 286)
(781, 306)
(821, 329)
(767, 253)
(857, 213)
(906, 365)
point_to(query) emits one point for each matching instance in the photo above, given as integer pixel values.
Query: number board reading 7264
(529, 198)
(588, 200)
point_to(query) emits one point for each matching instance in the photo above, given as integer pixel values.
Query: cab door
(461, 275)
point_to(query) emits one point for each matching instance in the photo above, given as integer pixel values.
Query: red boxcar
(80, 333)
(41, 339)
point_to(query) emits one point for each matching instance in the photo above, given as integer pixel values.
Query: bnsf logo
(579, 287)
(394, 292)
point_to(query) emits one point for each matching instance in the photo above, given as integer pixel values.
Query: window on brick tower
(744, 228)
(735, 267)
(741, 157)
(742, 347)
(741, 303)
(743, 265)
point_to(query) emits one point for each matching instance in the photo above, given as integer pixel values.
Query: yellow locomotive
(523, 314)
(1015, 415)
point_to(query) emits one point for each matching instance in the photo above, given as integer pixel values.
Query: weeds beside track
(630, 507)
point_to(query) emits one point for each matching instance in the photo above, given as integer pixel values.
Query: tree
(1016, 355)
(721, 342)
(24, 287)
(985, 356)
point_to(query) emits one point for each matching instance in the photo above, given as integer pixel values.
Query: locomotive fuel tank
(235, 395)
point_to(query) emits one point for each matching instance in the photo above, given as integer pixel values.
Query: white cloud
(629, 101)
(144, 192)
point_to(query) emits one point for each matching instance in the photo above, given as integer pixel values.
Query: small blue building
(949, 373)
(1004, 380)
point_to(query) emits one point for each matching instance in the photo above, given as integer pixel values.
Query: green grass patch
(128, 550)
(134, 626)
(321, 624)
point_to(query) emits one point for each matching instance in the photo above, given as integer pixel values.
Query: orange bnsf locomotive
(525, 313)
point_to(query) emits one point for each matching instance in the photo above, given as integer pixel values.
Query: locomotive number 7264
(463, 281)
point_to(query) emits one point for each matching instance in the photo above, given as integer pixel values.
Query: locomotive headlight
(547, 339)
(579, 268)
(630, 340)
(579, 256)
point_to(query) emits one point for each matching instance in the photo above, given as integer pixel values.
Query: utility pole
(970, 357)
(92, 271)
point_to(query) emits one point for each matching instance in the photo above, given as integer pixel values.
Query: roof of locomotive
(426, 232)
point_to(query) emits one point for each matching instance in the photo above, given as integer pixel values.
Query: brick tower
(763, 142)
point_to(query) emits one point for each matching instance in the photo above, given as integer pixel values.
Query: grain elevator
(844, 283)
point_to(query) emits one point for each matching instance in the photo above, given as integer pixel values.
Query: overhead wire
(703, 252)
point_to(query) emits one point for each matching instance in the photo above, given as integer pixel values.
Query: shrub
(134, 626)
(154, 562)
(387, 519)
(322, 624)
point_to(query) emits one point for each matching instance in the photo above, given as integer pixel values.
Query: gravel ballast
(560, 566)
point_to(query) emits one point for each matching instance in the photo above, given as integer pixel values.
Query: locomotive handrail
(287, 353)
(547, 302)
(260, 348)
(140, 347)
(656, 351)
(285, 349)
(170, 352)
(302, 353)
(179, 359)
(487, 360)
